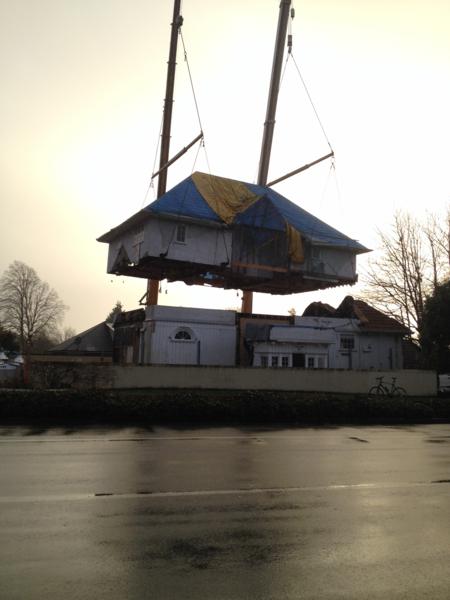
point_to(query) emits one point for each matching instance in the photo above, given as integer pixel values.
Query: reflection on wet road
(131, 513)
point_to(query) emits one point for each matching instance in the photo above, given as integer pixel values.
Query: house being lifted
(210, 230)
(230, 234)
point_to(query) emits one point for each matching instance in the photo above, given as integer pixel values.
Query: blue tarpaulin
(270, 211)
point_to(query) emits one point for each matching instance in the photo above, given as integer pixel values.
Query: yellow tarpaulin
(295, 244)
(226, 197)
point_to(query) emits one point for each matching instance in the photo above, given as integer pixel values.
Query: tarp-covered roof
(184, 200)
(200, 197)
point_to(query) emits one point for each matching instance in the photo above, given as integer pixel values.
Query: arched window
(183, 334)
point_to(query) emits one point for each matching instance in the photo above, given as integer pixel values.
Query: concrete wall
(82, 376)
(416, 383)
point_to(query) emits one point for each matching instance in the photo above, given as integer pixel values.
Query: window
(264, 361)
(347, 342)
(181, 234)
(274, 361)
(183, 334)
(316, 361)
(285, 361)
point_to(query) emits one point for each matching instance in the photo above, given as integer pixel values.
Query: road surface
(225, 513)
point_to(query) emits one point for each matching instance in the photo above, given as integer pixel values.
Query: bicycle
(382, 389)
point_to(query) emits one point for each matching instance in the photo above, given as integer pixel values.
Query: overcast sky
(82, 88)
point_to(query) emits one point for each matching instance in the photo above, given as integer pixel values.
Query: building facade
(353, 336)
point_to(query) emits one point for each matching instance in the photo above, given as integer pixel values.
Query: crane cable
(190, 80)
(289, 56)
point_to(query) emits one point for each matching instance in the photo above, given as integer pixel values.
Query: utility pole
(177, 22)
(269, 124)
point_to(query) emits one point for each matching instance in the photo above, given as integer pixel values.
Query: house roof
(227, 201)
(370, 319)
(127, 317)
(96, 340)
(319, 309)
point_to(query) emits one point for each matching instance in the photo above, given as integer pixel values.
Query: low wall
(84, 376)
(415, 382)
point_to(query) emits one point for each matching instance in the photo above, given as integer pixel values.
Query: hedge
(218, 406)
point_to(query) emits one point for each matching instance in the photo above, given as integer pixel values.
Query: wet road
(225, 513)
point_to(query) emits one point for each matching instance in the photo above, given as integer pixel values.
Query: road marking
(230, 492)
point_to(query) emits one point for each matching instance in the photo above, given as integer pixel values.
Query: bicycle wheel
(376, 391)
(398, 391)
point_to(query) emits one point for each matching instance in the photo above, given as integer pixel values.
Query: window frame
(344, 338)
(316, 359)
(183, 335)
(180, 233)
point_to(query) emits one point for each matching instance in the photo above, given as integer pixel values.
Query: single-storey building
(94, 343)
(352, 336)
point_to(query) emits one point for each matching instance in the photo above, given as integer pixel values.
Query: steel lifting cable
(195, 102)
(291, 55)
(191, 82)
(202, 141)
(198, 117)
(151, 184)
(310, 100)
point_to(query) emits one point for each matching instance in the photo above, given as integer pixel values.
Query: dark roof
(319, 309)
(127, 317)
(370, 319)
(257, 331)
(94, 341)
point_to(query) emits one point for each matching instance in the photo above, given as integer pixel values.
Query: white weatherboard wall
(189, 336)
(206, 244)
(314, 337)
(380, 351)
(371, 350)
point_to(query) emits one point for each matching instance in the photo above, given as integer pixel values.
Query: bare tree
(28, 306)
(61, 335)
(414, 260)
(67, 333)
(437, 233)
